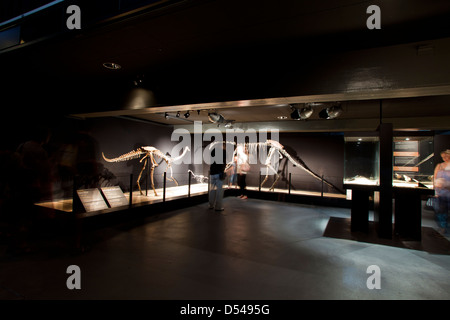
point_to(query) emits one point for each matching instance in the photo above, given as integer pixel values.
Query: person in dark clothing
(216, 179)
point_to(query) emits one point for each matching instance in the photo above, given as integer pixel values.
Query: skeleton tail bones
(125, 157)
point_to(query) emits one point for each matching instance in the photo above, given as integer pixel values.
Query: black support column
(383, 197)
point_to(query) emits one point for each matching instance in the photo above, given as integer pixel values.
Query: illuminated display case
(361, 160)
(413, 165)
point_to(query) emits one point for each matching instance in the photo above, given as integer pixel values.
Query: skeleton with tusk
(149, 153)
(275, 149)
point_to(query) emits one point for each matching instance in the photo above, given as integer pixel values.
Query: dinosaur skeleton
(198, 177)
(149, 153)
(275, 148)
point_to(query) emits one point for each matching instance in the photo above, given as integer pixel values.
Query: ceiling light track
(177, 117)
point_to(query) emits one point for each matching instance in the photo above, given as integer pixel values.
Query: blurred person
(243, 167)
(442, 189)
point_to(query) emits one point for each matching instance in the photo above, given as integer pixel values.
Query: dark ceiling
(201, 55)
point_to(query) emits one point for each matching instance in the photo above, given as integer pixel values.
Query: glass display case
(361, 160)
(412, 161)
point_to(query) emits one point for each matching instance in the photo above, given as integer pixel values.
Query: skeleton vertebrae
(149, 153)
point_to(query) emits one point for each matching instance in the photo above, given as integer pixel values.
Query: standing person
(243, 167)
(442, 188)
(232, 172)
(216, 178)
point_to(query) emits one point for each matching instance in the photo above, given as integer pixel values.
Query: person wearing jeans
(216, 192)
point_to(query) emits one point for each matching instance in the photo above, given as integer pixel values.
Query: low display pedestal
(361, 195)
(408, 211)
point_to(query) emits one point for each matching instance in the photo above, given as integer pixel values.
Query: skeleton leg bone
(266, 177)
(170, 178)
(140, 174)
(269, 166)
(277, 177)
(171, 175)
(154, 164)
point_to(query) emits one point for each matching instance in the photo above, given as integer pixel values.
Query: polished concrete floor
(254, 249)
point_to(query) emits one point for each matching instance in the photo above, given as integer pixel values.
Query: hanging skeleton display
(149, 153)
(198, 177)
(276, 149)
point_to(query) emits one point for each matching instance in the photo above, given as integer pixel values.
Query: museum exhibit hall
(210, 151)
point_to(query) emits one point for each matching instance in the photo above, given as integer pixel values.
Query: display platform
(66, 205)
(300, 192)
(178, 192)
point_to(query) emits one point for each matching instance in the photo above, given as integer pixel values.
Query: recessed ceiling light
(281, 117)
(112, 65)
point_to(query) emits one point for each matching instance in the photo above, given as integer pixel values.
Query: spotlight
(166, 115)
(178, 114)
(187, 114)
(305, 113)
(334, 112)
(215, 117)
(331, 112)
(302, 114)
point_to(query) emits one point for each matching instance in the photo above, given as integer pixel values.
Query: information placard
(114, 196)
(406, 155)
(92, 199)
